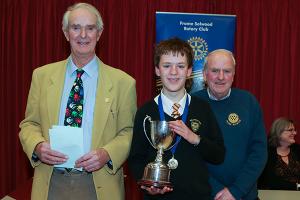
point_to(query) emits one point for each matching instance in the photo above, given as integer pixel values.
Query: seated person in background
(193, 121)
(282, 171)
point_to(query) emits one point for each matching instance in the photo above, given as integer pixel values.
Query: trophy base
(157, 184)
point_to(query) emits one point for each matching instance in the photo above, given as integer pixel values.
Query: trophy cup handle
(144, 123)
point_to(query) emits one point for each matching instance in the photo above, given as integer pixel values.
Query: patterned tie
(74, 108)
(175, 114)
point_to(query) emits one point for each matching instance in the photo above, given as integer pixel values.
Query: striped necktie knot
(175, 113)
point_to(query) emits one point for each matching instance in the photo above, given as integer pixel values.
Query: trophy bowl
(157, 173)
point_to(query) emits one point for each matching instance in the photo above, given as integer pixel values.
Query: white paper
(69, 141)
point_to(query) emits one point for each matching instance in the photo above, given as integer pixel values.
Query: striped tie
(175, 114)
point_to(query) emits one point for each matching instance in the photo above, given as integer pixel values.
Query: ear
(66, 33)
(189, 72)
(99, 33)
(204, 75)
(157, 72)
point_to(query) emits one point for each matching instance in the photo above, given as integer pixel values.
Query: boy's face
(173, 71)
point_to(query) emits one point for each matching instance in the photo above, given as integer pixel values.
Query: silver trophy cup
(157, 173)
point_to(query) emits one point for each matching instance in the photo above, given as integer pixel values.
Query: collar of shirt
(212, 97)
(167, 103)
(90, 69)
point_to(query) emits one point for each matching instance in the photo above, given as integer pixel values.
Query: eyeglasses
(290, 130)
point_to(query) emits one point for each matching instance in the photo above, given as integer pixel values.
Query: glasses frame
(290, 130)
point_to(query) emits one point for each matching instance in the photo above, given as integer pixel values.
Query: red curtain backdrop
(267, 40)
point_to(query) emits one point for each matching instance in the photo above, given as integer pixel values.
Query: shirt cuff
(110, 164)
(34, 157)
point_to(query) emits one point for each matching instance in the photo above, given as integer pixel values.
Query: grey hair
(277, 128)
(218, 51)
(89, 7)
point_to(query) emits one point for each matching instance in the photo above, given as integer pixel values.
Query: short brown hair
(278, 126)
(175, 46)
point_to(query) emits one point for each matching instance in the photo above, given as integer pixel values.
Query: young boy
(195, 127)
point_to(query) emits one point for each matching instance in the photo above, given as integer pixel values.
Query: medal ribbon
(184, 118)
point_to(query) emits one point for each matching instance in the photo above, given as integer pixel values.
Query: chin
(83, 53)
(293, 142)
(173, 87)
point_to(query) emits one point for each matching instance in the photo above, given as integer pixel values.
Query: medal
(172, 163)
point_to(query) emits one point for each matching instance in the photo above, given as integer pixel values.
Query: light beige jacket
(114, 111)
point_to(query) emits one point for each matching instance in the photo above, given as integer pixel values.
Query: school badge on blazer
(195, 125)
(233, 119)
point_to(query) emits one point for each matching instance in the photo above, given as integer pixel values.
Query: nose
(82, 32)
(221, 75)
(173, 69)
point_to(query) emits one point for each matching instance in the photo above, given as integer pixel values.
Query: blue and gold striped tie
(175, 113)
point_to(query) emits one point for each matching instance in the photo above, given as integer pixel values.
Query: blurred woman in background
(282, 171)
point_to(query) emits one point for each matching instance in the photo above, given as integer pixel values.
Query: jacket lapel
(103, 103)
(54, 92)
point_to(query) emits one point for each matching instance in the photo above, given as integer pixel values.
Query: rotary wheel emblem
(199, 46)
(233, 119)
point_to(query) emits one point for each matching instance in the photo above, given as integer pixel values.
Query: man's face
(173, 71)
(219, 74)
(82, 33)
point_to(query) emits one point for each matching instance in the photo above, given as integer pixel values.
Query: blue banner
(204, 32)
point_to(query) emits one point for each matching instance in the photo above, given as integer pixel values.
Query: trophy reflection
(157, 173)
